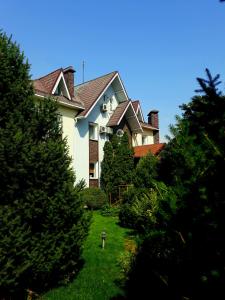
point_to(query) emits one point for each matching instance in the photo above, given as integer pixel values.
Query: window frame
(95, 131)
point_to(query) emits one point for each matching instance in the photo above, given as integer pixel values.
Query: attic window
(60, 90)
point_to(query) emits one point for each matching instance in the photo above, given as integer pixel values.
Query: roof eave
(72, 105)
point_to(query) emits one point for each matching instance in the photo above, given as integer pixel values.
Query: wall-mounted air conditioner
(104, 107)
(103, 129)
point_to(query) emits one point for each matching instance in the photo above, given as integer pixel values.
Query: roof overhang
(131, 118)
(67, 103)
(139, 110)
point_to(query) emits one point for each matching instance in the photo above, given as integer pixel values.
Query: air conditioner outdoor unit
(103, 129)
(104, 107)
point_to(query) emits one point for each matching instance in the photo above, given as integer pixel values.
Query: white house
(91, 112)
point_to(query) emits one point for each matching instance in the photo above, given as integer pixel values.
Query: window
(93, 131)
(111, 104)
(93, 170)
(144, 139)
(60, 90)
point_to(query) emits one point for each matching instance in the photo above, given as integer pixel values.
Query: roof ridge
(96, 78)
(49, 74)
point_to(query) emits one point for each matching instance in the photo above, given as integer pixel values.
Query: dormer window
(60, 88)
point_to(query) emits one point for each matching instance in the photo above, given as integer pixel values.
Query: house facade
(91, 112)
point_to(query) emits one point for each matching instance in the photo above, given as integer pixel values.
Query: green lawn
(96, 281)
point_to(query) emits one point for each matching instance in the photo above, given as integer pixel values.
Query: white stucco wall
(81, 149)
(68, 115)
(137, 138)
(149, 134)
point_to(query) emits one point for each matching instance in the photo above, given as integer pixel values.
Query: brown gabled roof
(155, 149)
(114, 119)
(90, 91)
(148, 126)
(43, 86)
(135, 104)
(47, 83)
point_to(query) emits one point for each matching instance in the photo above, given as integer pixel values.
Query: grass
(96, 280)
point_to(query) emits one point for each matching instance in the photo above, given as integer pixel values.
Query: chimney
(69, 78)
(153, 120)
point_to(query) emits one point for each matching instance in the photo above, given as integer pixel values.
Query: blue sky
(159, 47)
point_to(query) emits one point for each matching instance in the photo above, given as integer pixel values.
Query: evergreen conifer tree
(106, 168)
(118, 164)
(42, 222)
(145, 171)
(183, 257)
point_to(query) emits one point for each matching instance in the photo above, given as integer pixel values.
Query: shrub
(94, 198)
(110, 211)
(146, 171)
(143, 209)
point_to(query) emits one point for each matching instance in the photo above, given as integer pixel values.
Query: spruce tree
(106, 168)
(183, 257)
(42, 221)
(117, 165)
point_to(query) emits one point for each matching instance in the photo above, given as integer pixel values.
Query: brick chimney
(69, 78)
(153, 120)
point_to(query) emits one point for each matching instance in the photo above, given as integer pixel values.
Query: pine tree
(118, 165)
(184, 257)
(106, 168)
(43, 224)
(125, 160)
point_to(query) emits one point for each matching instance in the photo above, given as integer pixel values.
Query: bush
(110, 211)
(146, 171)
(94, 198)
(143, 209)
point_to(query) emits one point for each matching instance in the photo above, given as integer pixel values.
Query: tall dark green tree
(183, 258)
(106, 168)
(42, 222)
(117, 165)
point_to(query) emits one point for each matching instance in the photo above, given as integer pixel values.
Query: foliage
(183, 258)
(145, 208)
(106, 168)
(43, 223)
(145, 172)
(117, 165)
(111, 211)
(94, 198)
